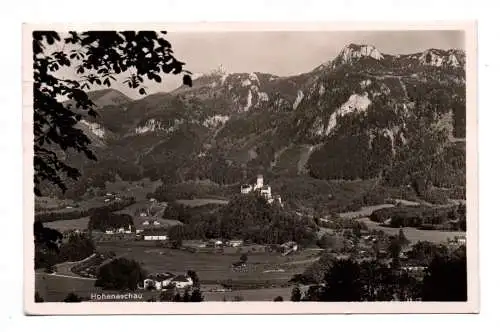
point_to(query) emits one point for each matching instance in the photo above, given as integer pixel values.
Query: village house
(157, 237)
(457, 241)
(235, 243)
(182, 282)
(154, 234)
(121, 230)
(289, 247)
(212, 243)
(158, 281)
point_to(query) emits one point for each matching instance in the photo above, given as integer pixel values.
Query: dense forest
(247, 217)
(103, 219)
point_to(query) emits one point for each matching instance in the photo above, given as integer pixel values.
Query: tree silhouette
(244, 258)
(120, 274)
(60, 103)
(177, 297)
(72, 297)
(296, 294)
(196, 295)
(194, 277)
(186, 297)
(343, 283)
(446, 279)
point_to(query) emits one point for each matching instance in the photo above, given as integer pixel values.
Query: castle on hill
(262, 189)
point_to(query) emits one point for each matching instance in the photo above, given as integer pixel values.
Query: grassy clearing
(364, 211)
(55, 288)
(66, 225)
(289, 159)
(413, 234)
(138, 189)
(201, 201)
(267, 294)
(209, 266)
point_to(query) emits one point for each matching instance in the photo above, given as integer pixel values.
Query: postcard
(235, 168)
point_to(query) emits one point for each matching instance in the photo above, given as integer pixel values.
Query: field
(269, 268)
(55, 288)
(209, 266)
(201, 201)
(413, 234)
(138, 189)
(364, 211)
(267, 294)
(288, 161)
(70, 224)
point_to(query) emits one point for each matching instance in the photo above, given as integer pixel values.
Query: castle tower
(260, 181)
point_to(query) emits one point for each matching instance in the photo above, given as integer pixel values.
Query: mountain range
(362, 114)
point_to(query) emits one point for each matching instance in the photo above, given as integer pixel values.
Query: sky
(285, 53)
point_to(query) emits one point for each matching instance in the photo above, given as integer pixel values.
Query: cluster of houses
(166, 280)
(457, 242)
(262, 189)
(121, 230)
(216, 243)
(111, 197)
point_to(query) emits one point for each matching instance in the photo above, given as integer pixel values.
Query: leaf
(186, 80)
(142, 91)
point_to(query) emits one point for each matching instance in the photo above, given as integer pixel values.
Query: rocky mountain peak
(354, 51)
(439, 58)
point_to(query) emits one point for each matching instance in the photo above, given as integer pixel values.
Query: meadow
(413, 234)
(211, 267)
(53, 288)
(201, 201)
(267, 294)
(69, 224)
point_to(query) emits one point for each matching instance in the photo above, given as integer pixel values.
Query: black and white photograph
(240, 166)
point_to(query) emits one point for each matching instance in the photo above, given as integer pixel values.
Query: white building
(246, 189)
(158, 281)
(121, 230)
(182, 282)
(155, 237)
(235, 243)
